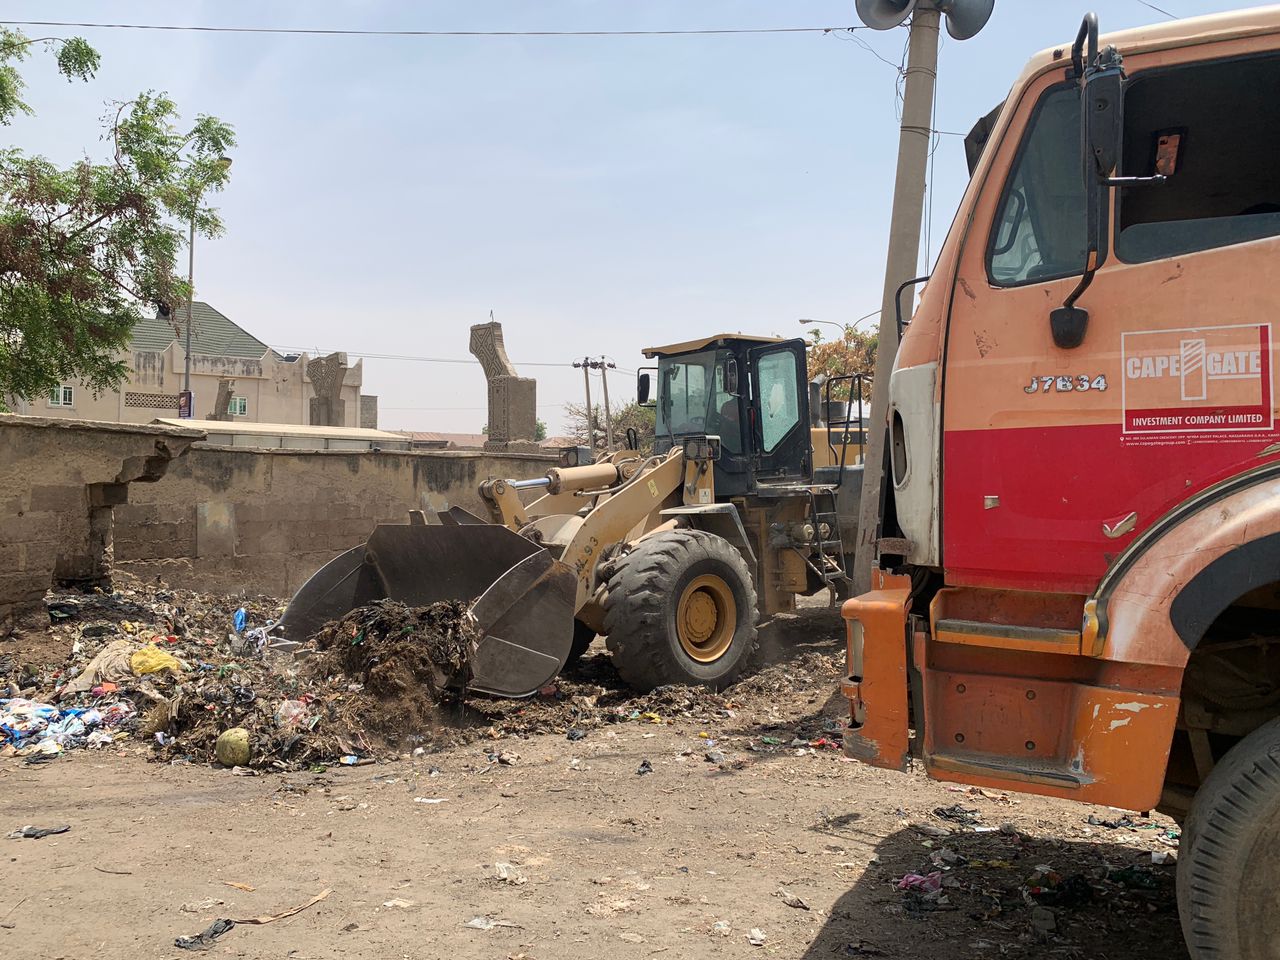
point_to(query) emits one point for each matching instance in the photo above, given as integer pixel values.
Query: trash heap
(192, 678)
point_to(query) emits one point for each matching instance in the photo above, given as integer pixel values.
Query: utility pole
(586, 386)
(604, 366)
(914, 138)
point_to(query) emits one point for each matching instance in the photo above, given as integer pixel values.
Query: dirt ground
(786, 840)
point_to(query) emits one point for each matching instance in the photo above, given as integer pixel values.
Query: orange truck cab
(1078, 584)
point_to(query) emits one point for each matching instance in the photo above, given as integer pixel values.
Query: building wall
(59, 482)
(276, 391)
(262, 521)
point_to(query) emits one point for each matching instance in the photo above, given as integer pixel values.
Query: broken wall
(262, 521)
(59, 483)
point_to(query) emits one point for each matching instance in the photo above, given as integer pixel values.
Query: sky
(598, 194)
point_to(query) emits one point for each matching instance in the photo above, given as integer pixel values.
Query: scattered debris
(293, 911)
(239, 886)
(205, 939)
(507, 873)
(488, 923)
(201, 906)
(790, 899)
(756, 937)
(645, 767)
(38, 833)
(955, 813)
(398, 904)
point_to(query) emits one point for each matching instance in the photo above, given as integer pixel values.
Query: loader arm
(625, 513)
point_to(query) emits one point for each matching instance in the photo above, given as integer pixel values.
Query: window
(238, 407)
(779, 403)
(1214, 128)
(62, 396)
(684, 392)
(1039, 231)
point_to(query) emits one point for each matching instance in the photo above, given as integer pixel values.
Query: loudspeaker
(964, 17)
(883, 14)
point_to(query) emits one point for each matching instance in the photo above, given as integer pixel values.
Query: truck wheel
(582, 637)
(681, 609)
(1228, 872)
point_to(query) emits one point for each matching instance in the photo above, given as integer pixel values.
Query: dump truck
(674, 555)
(1077, 583)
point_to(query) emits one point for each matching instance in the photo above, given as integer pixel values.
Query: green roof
(212, 334)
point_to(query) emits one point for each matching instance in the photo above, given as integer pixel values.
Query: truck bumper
(876, 672)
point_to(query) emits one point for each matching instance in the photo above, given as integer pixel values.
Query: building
(257, 384)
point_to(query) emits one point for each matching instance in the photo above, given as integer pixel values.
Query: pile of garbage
(192, 678)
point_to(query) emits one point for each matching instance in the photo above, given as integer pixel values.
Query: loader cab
(751, 392)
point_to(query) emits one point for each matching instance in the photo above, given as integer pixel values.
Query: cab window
(1214, 130)
(779, 402)
(1039, 230)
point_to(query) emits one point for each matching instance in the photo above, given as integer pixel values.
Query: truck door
(780, 411)
(1054, 459)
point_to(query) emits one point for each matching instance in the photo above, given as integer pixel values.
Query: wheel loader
(673, 556)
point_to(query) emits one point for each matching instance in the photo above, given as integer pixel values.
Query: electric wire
(344, 32)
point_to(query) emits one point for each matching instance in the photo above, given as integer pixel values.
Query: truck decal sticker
(1197, 380)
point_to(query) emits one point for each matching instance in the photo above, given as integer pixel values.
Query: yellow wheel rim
(706, 618)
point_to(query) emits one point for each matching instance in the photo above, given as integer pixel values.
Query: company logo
(1197, 380)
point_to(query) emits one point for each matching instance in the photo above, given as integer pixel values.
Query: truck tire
(1228, 872)
(582, 637)
(681, 609)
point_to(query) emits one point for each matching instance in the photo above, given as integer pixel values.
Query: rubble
(192, 678)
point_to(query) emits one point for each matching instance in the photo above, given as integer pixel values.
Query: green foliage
(85, 249)
(855, 352)
(539, 431)
(632, 415)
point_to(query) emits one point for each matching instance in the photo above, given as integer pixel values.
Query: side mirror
(731, 377)
(1102, 107)
(644, 388)
(1101, 79)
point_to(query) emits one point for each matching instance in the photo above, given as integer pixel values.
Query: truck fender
(1161, 594)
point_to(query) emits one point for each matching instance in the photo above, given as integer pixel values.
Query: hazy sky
(599, 194)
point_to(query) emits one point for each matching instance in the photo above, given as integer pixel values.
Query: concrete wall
(59, 481)
(275, 391)
(231, 520)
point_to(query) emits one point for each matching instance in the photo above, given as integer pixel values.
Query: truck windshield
(692, 398)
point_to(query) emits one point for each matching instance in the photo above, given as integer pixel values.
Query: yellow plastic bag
(151, 659)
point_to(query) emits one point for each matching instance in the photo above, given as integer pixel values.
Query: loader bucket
(521, 597)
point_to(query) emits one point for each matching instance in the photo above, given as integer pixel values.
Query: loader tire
(1228, 871)
(582, 637)
(681, 609)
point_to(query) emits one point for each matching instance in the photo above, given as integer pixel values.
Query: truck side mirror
(1101, 80)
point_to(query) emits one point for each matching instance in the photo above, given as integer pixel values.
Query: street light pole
(223, 163)
(191, 294)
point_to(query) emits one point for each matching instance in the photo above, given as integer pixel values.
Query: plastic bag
(151, 659)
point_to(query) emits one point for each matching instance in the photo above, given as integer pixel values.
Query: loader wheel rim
(706, 618)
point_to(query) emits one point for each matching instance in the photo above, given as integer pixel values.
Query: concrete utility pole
(586, 386)
(604, 367)
(914, 138)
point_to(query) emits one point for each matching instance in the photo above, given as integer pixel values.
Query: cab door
(780, 412)
(1056, 458)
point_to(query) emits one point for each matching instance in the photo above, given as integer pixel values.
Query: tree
(638, 418)
(85, 249)
(540, 431)
(855, 352)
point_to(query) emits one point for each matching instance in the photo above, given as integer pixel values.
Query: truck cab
(1079, 572)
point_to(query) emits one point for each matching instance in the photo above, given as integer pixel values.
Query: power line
(334, 32)
(1152, 6)
(397, 356)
